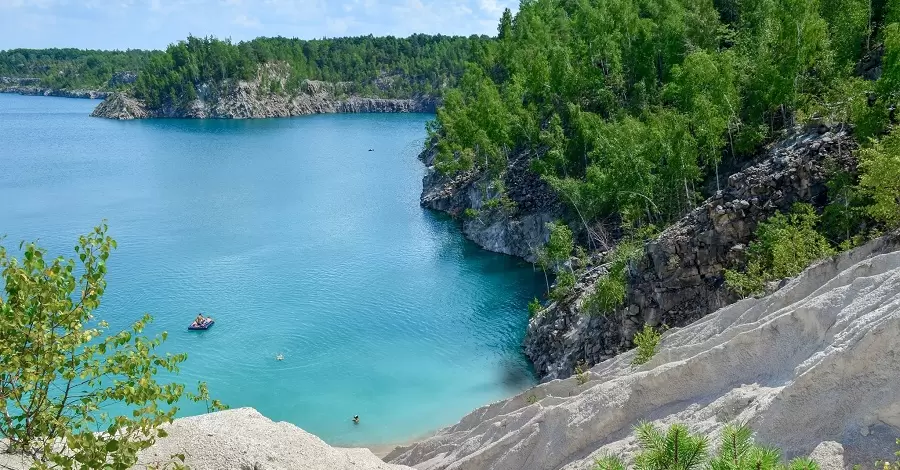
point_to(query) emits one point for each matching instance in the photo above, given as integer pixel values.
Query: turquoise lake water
(298, 241)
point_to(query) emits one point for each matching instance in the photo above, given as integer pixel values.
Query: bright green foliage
(72, 68)
(609, 291)
(889, 82)
(203, 395)
(534, 307)
(386, 66)
(677, 448)
(609, 462)
(558, 248)
(565, 282)
(849, 27)
(738, 452)
(646, 342)
(785, 245)
(581, 373)
(61, 369)
(880, 179)
(629, 104)
(554, 254)
(476, 126)
(846, 211)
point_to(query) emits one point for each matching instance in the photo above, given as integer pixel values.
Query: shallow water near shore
(299, 241)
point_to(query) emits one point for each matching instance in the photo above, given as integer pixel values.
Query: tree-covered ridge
(71, 68)
(632, 103)
(383, 66)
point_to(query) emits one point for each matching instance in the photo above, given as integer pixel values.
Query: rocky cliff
(810, 368)
(515, 224)
(41, 91)
(255, 99)
(680, 276)
(242, 439)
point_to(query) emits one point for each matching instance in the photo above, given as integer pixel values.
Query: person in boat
(199, 320)
(356, 419)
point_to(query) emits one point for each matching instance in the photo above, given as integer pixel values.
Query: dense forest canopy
(630, 104)
(384, 66)
(71, 68)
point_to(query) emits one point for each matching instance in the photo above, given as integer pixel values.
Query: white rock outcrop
(243, 439)
(816, 361)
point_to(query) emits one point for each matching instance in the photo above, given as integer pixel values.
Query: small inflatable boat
(203, 326)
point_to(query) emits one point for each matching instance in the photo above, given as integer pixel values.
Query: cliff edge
(244, 439)
(255, 99)
(811, 368)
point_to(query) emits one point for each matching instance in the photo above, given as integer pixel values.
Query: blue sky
(146, 24)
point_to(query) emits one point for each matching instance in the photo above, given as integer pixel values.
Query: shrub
(609, 291)
(646, 342)
(785, 245)
(61, 369)
(880, 179)
(581, 372)
(534, 308)
(678, 449)
(565, 282)
(470, 213)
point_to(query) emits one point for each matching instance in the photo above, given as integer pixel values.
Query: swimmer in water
(356, 419)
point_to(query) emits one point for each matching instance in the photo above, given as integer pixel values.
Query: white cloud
(490, 6)
(246, 21)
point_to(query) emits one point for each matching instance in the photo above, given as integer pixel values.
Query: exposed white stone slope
(816, 361)
(243, 439)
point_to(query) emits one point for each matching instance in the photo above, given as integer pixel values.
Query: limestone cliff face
(810, 368)
(680, 277)
(31, 90)
(255, 99)
(515, 229)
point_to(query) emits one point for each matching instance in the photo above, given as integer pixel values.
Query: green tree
(554, 255)
(785, 245)
(61, 368)
(880, 179)
(677, 448)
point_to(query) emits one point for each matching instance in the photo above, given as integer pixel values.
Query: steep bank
(243, 439)
(515, 226)
(41, 91)
(807, 365)
(680, 277)
(254, 99)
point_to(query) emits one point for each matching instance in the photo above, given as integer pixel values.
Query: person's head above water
(356, 418)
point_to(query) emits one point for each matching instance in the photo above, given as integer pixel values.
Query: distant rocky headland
(32, 87)
(250, 100)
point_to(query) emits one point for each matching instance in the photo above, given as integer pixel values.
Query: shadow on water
(517, 375)
(450, 230)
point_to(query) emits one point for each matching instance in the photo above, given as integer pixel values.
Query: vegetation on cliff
(631, 104)
(385, 66)
(61, 369)
(72, 68)
(676, 448)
